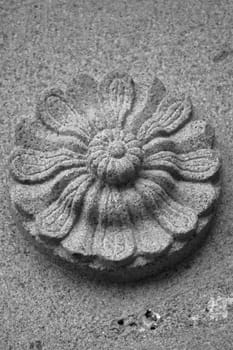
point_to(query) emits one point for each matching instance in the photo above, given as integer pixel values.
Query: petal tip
(117, 96)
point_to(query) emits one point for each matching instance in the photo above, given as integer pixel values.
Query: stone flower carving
(109, 183)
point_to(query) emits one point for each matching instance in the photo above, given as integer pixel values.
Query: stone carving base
(110, 184)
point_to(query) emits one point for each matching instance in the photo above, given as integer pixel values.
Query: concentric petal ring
(120, 153)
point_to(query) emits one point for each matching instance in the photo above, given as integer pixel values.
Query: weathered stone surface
(188, 45)
(111, 184)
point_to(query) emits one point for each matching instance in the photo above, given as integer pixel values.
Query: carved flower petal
(30, 200)
(151, 238)
(199, 165)
(167, 119)
(83, 92)
(172, 216)
(80, 239)
(34, 134)
(159, 144)
(57, 114)
(160, 177)
(198, 196)
(113, 239)
(154, 96)
(112, 207)
(57, 220)
(27, 165)
(114, 243)
(195, 135)
(117, 94)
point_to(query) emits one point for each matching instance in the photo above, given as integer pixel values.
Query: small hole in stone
(152, 327)
(120, 322)
(148, 313)
(80, 258)
(133, 324)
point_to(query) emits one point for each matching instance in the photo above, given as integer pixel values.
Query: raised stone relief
(112, 184)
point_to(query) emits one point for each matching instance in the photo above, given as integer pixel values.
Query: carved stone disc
(109, 184)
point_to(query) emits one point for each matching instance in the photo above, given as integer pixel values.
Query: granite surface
(46, 306)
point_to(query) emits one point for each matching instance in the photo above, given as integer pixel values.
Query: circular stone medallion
(110, 185)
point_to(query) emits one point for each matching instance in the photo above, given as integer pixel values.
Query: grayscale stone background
(189, 45)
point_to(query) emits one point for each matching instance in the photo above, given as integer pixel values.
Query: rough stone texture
(108, 183)
(189, 48)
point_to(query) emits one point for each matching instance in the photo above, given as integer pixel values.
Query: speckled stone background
(189, 45)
